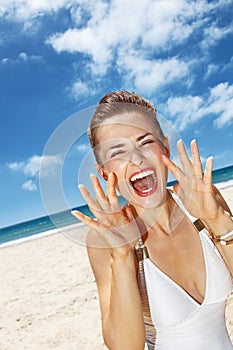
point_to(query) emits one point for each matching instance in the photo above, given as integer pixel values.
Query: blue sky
(59, 57)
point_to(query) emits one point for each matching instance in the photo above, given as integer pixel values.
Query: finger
(85, 219)
(111, 192)
(196, 161)
(111, 240)
(174, 169)
(92, 204)
(91, 222)
(184, 158)
(128, 212)
(99, 192)
(208, 171)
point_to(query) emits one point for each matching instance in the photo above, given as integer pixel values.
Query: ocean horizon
(48, 225)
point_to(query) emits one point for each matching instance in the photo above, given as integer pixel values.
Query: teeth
(141, 175)
(148, 190)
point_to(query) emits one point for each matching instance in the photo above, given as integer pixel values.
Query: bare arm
(114, 269)
(200, 197)
(222, 225)
(120, 303)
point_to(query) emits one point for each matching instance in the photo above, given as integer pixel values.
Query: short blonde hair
(116, 103)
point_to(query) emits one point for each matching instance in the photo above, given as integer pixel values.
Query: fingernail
(193, 141)
(110, 176)
(80, 186)
(165, 158)
(179, 141)
(92, 175)
(73, 212)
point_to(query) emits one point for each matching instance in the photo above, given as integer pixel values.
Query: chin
(153, 200)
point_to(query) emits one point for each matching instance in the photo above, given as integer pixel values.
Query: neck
(158, 218)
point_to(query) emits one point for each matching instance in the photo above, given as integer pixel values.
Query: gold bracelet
(223, 239)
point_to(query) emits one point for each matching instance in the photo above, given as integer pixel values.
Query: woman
(179, 287)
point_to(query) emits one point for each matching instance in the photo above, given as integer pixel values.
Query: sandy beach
(48, 297)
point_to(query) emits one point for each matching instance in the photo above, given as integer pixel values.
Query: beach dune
(48, 297)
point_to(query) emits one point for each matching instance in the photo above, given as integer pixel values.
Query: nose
(136, 156)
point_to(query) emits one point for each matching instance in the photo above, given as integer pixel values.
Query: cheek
(157, 149)
(118, 167)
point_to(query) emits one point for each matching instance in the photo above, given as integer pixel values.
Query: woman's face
(130, 147)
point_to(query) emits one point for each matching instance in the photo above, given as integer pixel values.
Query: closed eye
(114, 154)
(145, 142)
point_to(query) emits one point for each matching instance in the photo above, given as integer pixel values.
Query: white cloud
(35, 166)
(214, 34)
(5, 60)
(131, 42)
(80, 88)
(85, 41)
(110, 30)
(228, 65)
(32, 166)
(148, 75)
(22, 57)
(23, 10)
(83, 148)
(140, 40)
(221, 103)
(29, 185)
(187, 110)
(167, 21)
(153, 23)
(16, 166)
(211, 69)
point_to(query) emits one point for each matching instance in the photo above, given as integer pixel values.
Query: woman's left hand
(195, 186)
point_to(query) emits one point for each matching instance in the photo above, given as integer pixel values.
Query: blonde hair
(117, 103)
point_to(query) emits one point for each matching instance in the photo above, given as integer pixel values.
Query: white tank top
(182, 323)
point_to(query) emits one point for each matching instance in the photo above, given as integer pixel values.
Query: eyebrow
(116, 146)
(139, 138)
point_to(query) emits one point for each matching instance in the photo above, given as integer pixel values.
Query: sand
(48, 296)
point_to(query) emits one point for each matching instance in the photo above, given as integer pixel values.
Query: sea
(48, 225)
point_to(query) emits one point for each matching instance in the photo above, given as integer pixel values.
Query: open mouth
(144, 182)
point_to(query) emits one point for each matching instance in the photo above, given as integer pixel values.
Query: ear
(166, 147)
(101, 171)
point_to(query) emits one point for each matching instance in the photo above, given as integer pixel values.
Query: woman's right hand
(115, 225)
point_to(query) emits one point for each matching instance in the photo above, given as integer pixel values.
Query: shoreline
(42, 234)
(223, 187)
(49, 297)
